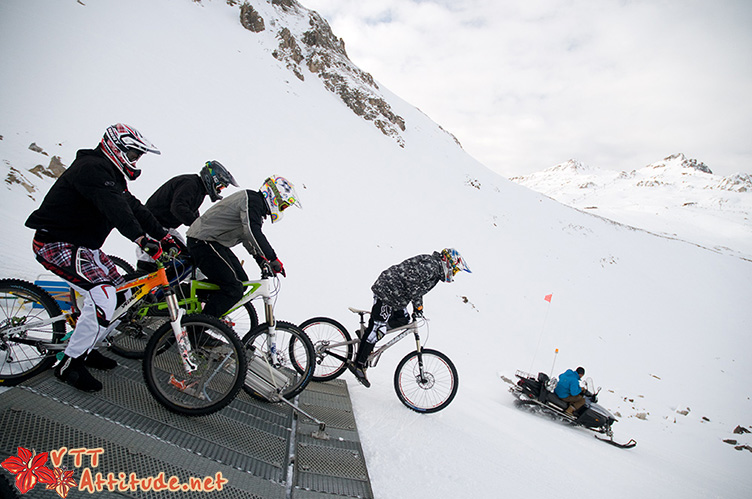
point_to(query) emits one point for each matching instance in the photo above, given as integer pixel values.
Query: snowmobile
(537, 395)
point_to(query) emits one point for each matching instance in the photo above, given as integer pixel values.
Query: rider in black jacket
(78, 213)
(177, 201)
(89, 200)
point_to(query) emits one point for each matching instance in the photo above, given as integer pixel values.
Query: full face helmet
(453, 263)
(124, 145)
(215, 178)
(279, 194)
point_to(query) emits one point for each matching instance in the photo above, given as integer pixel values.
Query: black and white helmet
(124, 145)
(216, 177)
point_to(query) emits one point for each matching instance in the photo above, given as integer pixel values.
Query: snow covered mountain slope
(677, 197)
(663, 325)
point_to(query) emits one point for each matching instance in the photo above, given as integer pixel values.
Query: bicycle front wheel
(430, 391)
(330, 360)
(215, 352)
(22, 304)
(286, 376)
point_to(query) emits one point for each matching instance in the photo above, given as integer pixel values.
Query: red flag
(548, 298)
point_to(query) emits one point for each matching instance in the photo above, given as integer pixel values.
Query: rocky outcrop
(739, 182)
(53, 170)
(310, 47)
(684, 162)
(250, 18)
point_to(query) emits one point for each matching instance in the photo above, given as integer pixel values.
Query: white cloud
(528, 84)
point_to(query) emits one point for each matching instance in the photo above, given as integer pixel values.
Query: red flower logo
(28, 468)
(61, 481)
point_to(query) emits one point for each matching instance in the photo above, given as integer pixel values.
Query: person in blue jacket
(568, 389)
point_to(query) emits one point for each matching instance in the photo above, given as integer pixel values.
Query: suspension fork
(271, 336)
(420, 353)
(181, 336)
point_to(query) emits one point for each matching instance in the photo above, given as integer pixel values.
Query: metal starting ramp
(120, 442)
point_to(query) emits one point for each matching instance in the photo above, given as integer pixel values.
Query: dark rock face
(323, 54)
(250, 19)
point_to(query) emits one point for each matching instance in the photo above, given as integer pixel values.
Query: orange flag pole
(556, 352)
(545, 320)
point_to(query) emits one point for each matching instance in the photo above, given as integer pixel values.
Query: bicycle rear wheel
(215, 350)
(290, 374)
(243, 319)
(330, 361)
(130, 338)
(434, 390)
(123, 267)
(22, 304)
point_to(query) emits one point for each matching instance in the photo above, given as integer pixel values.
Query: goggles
(133, 155)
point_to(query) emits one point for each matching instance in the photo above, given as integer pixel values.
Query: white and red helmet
(124, 145)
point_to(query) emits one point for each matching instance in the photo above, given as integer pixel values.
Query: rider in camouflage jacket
(408, 281)
(397, 286)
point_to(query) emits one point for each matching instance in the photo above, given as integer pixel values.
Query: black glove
(172, 246)
(418, 312)
(278, 268)
(149, 246)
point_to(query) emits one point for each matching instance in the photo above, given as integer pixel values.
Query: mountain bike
(130, 338)
(194, 364)
(280, 355)
(425, 380)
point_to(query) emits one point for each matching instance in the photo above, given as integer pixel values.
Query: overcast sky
(527, 84)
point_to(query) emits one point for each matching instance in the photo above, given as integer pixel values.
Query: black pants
(221, 267)
(383, 317)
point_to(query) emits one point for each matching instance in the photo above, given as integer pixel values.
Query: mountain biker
(78, 213)
(234, 220)
(568, 389)
(397, 286)
(177, 201)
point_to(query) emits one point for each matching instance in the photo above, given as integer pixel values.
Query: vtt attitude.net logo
(30, 470)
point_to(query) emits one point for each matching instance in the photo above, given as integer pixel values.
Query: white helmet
(124, 145)
(279, 194)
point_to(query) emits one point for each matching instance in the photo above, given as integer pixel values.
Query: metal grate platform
(261, 450)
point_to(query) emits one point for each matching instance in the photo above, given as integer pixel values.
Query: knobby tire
(435, 391)
(322, 332)
(294, 354)
(215, 348)
(23, 302)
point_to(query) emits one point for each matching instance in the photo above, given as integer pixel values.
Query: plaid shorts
(80, 266)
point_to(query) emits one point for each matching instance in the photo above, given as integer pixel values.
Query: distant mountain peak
(572, 166)
(739, 182)
(676, 195)
(682, 161)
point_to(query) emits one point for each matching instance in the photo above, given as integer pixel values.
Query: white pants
(97, 308)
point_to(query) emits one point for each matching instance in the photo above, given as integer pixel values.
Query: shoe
(570, 411)
(74, 372)
(99, 361)
(360, 373)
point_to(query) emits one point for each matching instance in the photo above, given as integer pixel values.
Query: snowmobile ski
(632, 442)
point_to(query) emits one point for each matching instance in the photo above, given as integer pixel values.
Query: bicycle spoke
(24, 308)
(216, 354)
